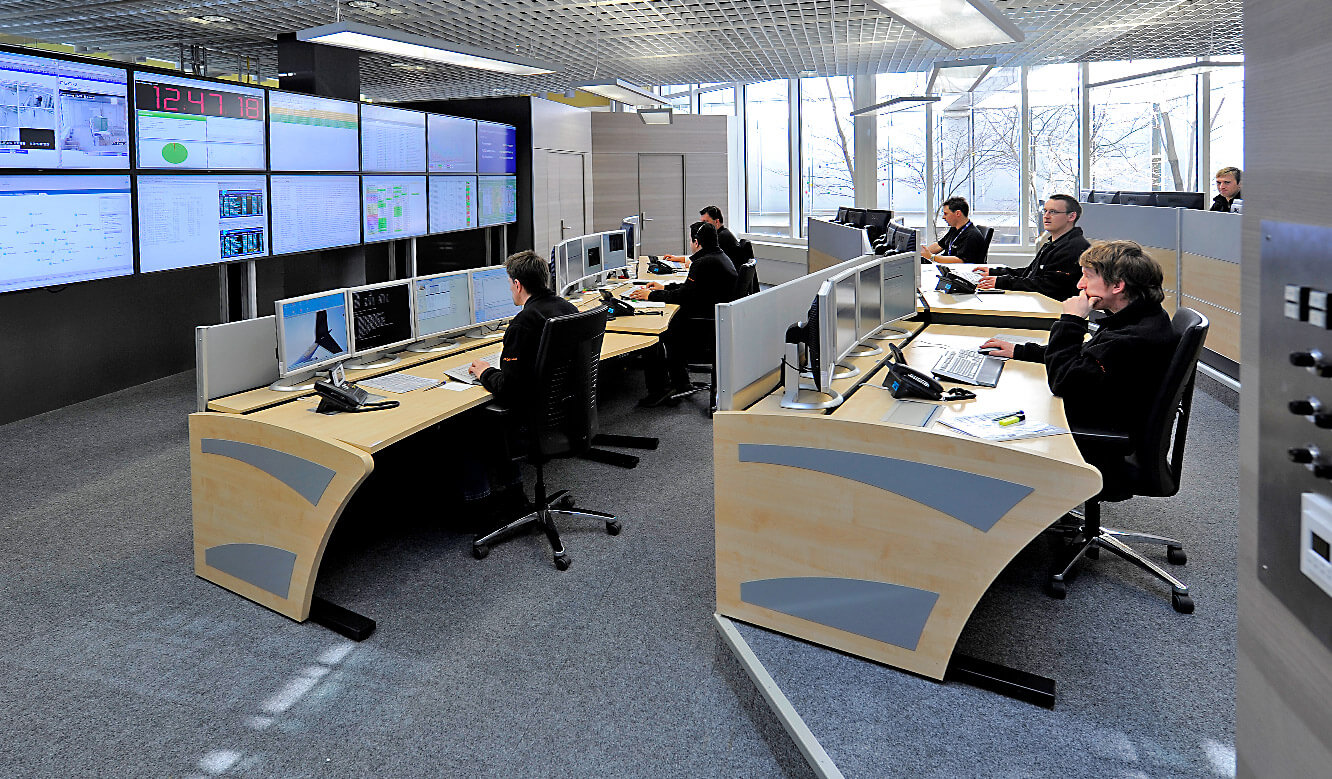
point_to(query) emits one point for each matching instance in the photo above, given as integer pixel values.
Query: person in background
(1054, 271)
(963, 242)
(1228, 189)
(726, 240)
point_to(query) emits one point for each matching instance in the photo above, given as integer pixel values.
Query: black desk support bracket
(1010, 682)
(342, 621)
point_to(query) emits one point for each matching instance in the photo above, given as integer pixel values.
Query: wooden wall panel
(1212, 280)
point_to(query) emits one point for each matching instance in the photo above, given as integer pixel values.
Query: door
(661, 201)
(570, 208)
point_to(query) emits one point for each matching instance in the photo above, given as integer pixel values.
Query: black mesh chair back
(563, 421)
(746, 279)
(988, 234)
(1160, 456)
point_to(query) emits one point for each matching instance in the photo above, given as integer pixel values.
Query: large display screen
(315, 212)
(393, 206)
(452, 144)
(312, 133)
(497, 198)
(452, 203)
(496, 148)
(393, 140)
(193, 124)
(62, 229)
(59, 114)
(186, 220)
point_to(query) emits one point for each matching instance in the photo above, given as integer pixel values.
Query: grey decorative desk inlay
(892, 613)
(309, 479)
(979, 501)
(266, 567)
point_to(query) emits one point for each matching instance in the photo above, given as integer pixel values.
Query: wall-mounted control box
(1316, 539)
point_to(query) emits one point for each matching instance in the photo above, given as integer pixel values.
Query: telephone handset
(616, 306)
(907, 382)
(333, 398)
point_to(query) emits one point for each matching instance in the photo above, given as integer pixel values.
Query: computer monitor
(496, 148)
(1194, 200)
(904, 238)
(492, 299)
(382, 319)
(845, 309)
(62, 114)
(630, 228)
(191, 124)
(393, 140)
(1108, 198)
(593, 260)
(312, 333)
(315, 212)
(309, 133)
(841, 214)
(855, 217)
(1137, 198)
(497, 200)
(869, 303)
(451, 142)
(187, 220)
(809, 348)
(393, 207)
(614, 250)
(443, 305)
(901, 281)
(452, 203)
(58, 229)
(878, 218)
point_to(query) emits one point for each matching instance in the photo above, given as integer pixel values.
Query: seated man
(1053, 272)
(512, 382)
(726, 240)
(711, 281)
(1108, 382)
(1228, 189)
(963, 242)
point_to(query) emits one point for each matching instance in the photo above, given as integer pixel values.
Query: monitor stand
(864, 351)
(296, 382)
(431, 345)
(379, 360)
(840, 371)
(813, 399)
(889, 333)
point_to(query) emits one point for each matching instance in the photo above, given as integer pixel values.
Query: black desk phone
(334, 398)
(657, 266)
(907, 382)
(616, 306)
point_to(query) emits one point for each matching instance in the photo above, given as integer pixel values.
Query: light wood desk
(268, 486)
(876, 538)
(1010, 309)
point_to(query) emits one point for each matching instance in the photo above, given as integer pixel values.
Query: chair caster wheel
(613, 527)
(566, 503)
(1057, 589)
(479, 551)
(1182, 602)
(1175, 555)
(562, 562)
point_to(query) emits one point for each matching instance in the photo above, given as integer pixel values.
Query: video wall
(106, 170)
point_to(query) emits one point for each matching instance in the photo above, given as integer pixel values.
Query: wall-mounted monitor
(190, 124)
(492, 300)
(393, 140)
(497, 200)
(306, 132)
(452, 203)
(60, 114)
(315, 212)
(451, 142)
(57, 229)
(496, 148)
(189, 220)
(393, 207)
(443, 303)
(312, 332)
(381, 316)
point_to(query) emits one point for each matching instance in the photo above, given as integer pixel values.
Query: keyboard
(461, 373)
(969, 366)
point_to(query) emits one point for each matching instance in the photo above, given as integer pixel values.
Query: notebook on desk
(461, 373)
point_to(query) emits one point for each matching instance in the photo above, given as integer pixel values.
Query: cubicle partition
(234, 357)
(1156, 229)
(830, 243)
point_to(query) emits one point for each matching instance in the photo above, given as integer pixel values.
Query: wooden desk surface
(1016, 304)
(418, 409)
(647, 324)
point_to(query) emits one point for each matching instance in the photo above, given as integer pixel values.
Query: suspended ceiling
(648, 42)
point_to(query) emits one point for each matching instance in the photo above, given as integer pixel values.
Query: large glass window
(1143, 132)
(1052, 94)
(995, 156)
(768, 157)
(902, 154)
(717, 101)
(1227, 148)
(827, 150)
(679, 97)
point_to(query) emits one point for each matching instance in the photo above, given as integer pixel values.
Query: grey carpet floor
(118, 661)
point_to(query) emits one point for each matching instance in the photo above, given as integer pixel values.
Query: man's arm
(1058, 279)
(510, 374)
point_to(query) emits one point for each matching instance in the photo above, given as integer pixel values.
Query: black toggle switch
(1323, 471)
(1323, 420)
(1301, 454)
(1324, 370)
(1304, 359)
(1305, 407)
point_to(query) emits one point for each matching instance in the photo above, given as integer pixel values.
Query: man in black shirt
(711, 280)
(1228, 189)
(1109, 381)
(726, 240)
(1054, 271)
(963, 242)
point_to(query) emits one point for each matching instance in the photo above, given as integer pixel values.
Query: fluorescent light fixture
(655, 115)
(896, 104)
(363, 37)
(955, 24)
(1190, 69)
(954, 76)
(622, 92)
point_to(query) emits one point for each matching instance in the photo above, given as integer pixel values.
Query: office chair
(746, 257)
(1153, 467)
(988, 234)
(560, 422)
(700, 333)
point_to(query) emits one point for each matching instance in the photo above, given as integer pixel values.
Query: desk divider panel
(1147, 225)
(830, 243)
(751, 332)
(234, 357)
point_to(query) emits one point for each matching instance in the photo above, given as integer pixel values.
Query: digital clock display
(180, 99)
(191, 124)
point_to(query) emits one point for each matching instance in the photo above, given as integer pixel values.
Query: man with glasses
(1054, 271)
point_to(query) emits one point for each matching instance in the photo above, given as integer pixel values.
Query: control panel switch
(1305, 407)
(1316, 539)
(1323, 420)
(1302, 454)
(1306, 359)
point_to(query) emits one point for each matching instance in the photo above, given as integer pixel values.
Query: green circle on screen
(175, 153)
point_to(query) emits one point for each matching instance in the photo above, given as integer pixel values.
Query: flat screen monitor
(312, 331)
(497, 200)
(191, 124)
(452, 203)
(315, 212)
(869, 299)
(1108, 198)
(492, 300)
(855, 217)
(393, 140)
(613, 250)
(569, 263)
(63, 115)
(393, 207)
(187, 220)
(904, 239)
(306, 132)
(1137, 198)
(877, 218)
(1193, 200)
(630, 233)
(900, 283)
(443, 303)
(593, 260)
(381, 316)
(841, 214)
(451, 142)
(58, 229)
(820, 338)
(496, 148)
(844, 312)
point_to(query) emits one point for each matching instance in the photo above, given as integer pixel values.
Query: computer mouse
(987, 349)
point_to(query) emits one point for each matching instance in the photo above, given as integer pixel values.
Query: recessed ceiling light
(363, 4)
(214, 19)
(407, 66)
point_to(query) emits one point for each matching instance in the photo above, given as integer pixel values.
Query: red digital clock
(200, 101)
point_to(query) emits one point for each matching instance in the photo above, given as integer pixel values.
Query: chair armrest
(1107, 441)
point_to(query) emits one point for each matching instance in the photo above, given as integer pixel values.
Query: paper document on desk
(987, 426)
(647, 304)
